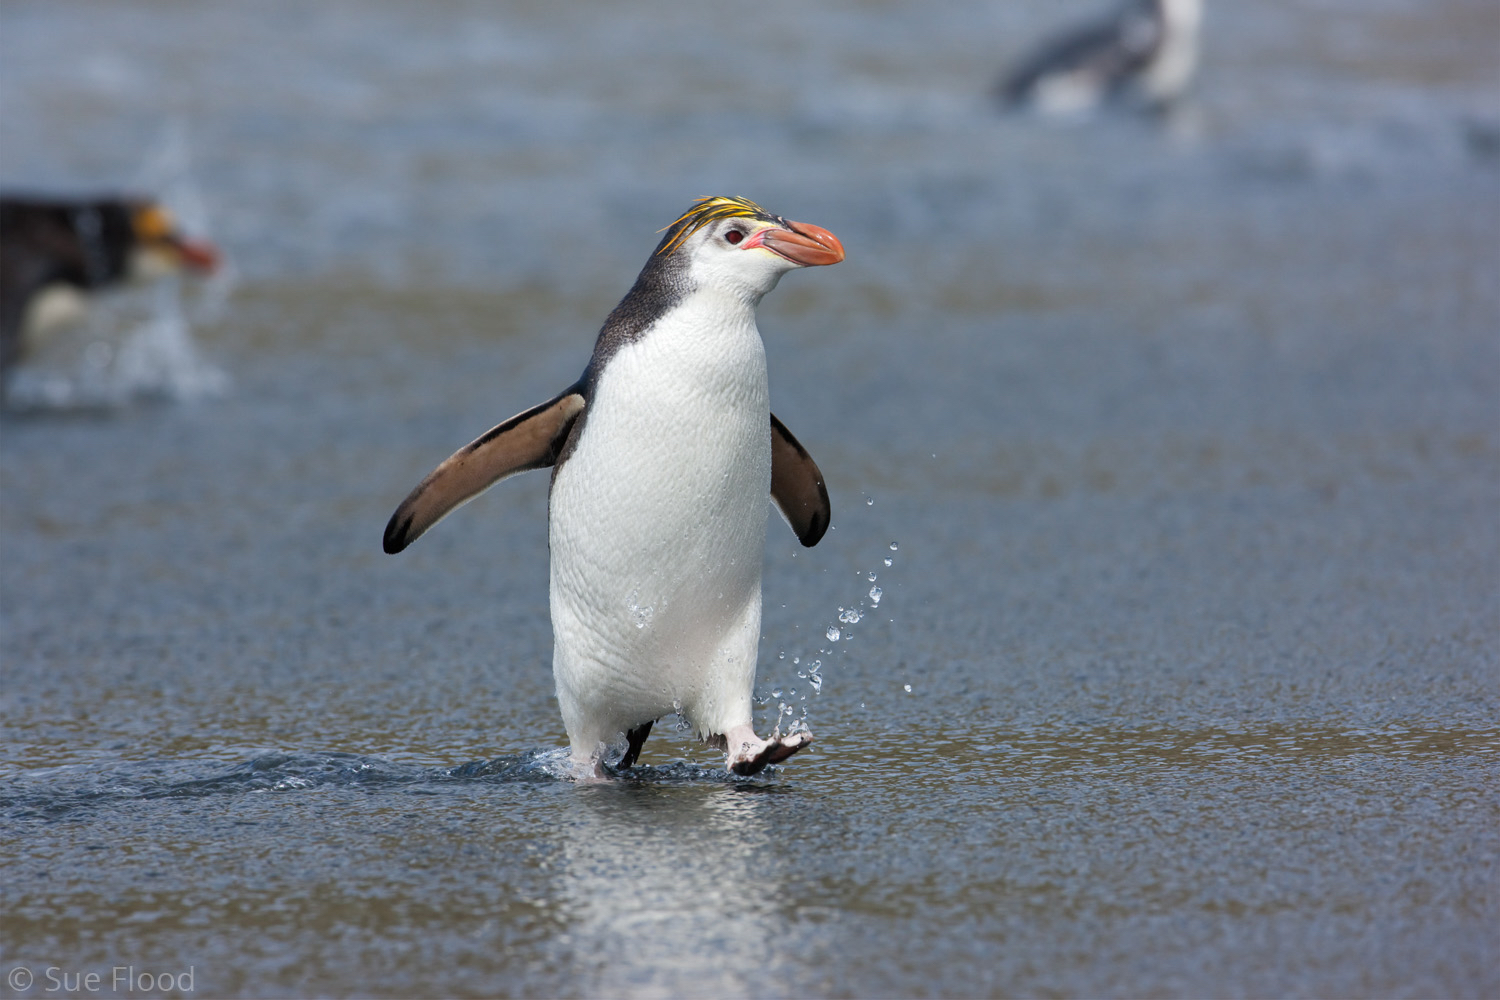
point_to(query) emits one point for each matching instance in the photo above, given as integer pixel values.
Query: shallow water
(1184, 676)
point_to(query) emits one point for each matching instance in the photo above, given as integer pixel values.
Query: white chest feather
(658, 518)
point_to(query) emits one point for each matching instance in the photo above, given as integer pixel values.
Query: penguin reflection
(672, 890)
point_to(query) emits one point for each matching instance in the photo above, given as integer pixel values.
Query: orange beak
(802, 243)
(197, 254)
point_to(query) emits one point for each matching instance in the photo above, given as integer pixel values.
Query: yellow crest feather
(152, 223)
(706, 210)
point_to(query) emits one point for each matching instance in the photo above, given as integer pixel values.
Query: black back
(81, 242)
(662, 283)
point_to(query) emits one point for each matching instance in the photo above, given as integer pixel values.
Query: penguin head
(735, 245)
(158, 248)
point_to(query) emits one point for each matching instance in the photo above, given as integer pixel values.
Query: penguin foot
(636, 739)
(749, 754)
(590, 772)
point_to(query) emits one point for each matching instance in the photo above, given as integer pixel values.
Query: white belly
(657, 525)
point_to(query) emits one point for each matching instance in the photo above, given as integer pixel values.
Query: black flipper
(797, 486)
(530, 440)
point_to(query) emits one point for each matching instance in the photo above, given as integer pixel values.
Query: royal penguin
(81, 244)
(1145, 55)
(663, 455)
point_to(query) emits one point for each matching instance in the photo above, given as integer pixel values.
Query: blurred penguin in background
(80, 244)
(1143, 57)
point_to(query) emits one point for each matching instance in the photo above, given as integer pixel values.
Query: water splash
(161, 357)
(639, 614)
(136, 344)
(168, 174)
(85, 791)
(847, 621)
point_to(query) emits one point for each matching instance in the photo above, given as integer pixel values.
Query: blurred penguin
(1144, 56)
(80, 244)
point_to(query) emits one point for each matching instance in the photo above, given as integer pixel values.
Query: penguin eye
(734, 236)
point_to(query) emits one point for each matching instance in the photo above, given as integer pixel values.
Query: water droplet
(851, 617)
(833, 633)
(887, 561)
(776, 692)
(638, 614)
(781, 655)
(907, 687)
(894, 547)
(802, 674)
(816, 682)
(796, 660)
(875, 594)
(869, 501)
(870, 576)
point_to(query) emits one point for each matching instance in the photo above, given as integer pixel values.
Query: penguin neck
(709, 342)
(732, 301)
(709, 321)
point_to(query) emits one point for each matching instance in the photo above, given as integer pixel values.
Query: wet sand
(1187, 443)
